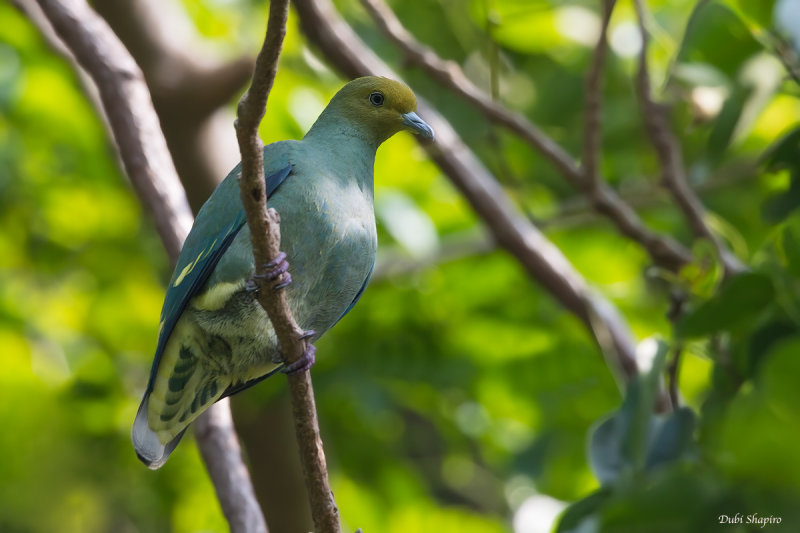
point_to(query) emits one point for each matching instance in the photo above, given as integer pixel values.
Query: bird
(214, 339)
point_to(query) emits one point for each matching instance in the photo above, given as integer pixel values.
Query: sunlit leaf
(758, 13)
(742, 297)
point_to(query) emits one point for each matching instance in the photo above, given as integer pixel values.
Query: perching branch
(126, 103)
(663, 250)
(593, 96)
(191, 86)
(265, 235)
(668, 150)
(544, 262)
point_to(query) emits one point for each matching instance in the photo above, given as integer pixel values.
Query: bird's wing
(360, 291)
(201, 253)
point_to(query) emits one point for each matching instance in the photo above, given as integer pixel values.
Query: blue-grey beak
(417, 125)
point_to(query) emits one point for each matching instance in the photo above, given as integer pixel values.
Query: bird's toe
(304, 363)
(277, 271)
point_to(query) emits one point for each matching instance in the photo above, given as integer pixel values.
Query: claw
(275, 269)
(287, 281)
(280, 258)
(307, 360)
(251, 286)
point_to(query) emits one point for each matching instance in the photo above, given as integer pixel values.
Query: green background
(458, 395)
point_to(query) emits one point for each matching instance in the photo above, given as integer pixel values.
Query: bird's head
(378, 107)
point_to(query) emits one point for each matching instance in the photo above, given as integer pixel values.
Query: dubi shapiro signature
(753, 518)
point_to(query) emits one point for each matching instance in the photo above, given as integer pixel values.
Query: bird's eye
(376, 99)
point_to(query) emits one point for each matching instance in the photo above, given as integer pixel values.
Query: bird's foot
(307, 360)
(276, 271)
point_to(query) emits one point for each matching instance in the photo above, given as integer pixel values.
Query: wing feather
(198, 260)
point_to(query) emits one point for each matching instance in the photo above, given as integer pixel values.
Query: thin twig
(668, 150)
(593, 90)
(674, 314)
(127, 105)
(673, 374)
(265, 236)
(663, 250)
(541, 259)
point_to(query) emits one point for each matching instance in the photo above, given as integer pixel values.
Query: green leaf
(672, 438)
(714, 23)
(703, 274)
(740, 298)
(784, 153)
(764, 339)
(605, 450)
(619, 444)
(754, 12)
(790, 246)
(780, 206)
(726, 121)
(578, 517)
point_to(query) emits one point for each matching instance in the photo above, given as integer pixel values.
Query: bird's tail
(149, 449)
(181, 389)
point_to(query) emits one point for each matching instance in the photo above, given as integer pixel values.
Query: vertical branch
(670, 156)
(593, 101)
(126, 103)
(265, 235)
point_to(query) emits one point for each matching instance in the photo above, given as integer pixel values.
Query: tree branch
(188, 81)
(189, 84)
(120, 84)
(662, 249)
(668, 150)
(593, 101)
(265, 235)
(222, 454)
(574, 212)
(143, 151)
(544, 262)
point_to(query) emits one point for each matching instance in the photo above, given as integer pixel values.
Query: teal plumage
(214, 338)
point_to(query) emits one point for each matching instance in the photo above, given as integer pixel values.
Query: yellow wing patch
(188, 268)
(217, 296)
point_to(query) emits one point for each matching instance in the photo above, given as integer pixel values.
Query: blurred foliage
(457, 396)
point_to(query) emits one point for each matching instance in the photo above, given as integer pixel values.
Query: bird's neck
(335, 127)
(346, 145)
